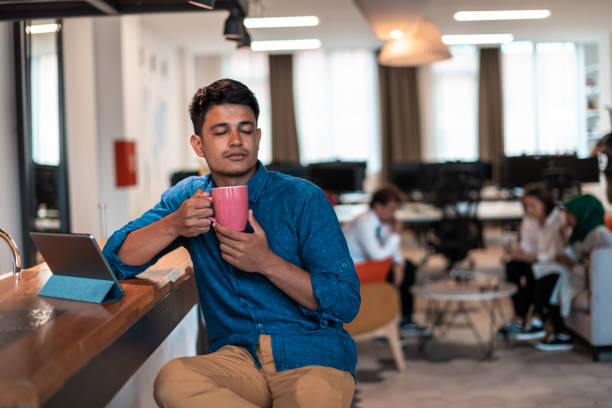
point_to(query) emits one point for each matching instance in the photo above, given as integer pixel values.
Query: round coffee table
(442, 295)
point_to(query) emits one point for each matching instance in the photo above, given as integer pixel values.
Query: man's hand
(193, 216)
(248, 252)
(396, 225)
(398, 273)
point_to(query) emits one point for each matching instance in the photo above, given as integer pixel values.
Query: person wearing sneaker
(539, 243)
(585, 216)
(375, 234)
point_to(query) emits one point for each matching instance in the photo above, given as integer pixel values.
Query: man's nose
(235, 138)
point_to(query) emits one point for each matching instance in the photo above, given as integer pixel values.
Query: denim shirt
(302, 228)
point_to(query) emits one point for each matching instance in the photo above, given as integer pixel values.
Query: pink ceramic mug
(231, 206)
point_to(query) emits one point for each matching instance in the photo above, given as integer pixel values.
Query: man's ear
(196, 144)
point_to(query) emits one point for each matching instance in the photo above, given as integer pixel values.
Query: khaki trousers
(229, 378)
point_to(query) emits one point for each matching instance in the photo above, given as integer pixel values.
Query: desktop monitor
(337, 176)
(290, 169)
(180, 175)
(406, 176)
(585, 170)
(519, 171)
(415, 176)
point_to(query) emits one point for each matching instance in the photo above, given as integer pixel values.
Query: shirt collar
(255, 184)
(375, 217)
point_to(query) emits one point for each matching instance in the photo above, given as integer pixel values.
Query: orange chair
(379, 314)
(373, 271)
(608, 220)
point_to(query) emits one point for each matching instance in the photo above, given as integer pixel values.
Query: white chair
(592, 308)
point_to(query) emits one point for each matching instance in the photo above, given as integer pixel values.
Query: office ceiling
(341, 25)
(343, 22)
(345, 25)
(38, 9)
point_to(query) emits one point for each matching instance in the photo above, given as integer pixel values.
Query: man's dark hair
(385, 195)
(220, 92)
(541, 193)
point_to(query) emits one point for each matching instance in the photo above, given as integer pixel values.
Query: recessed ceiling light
(205, 4)
(396, 34)
(283, 45)
(43, 28)
(477, 39)
(501, 15)
(275, 22)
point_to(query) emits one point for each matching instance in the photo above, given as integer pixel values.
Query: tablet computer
(77, 265)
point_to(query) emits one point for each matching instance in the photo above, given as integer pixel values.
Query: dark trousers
(406, 295)
(543, 290)
(520, 273)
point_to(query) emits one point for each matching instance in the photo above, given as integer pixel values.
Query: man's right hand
(193, 216)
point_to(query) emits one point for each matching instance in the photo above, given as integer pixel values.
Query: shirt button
(344, 264)
(259, 326)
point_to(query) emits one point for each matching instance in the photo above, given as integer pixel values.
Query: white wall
(154, 114)
(81, 124)
(10, 208)
(187, 89)
(142, 87)
(208, 69)
(109, 112)
(605, 80)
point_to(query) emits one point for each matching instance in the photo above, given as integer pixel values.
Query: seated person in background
(274, 297)
(585, 217)
(604, 145)
(375, 234)
(540, 242)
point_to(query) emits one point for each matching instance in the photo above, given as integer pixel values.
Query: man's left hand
(248, 252)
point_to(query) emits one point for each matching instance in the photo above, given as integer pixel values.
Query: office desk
(61, 353)
(421, 213)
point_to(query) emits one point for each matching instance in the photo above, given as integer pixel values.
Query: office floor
(451, 370)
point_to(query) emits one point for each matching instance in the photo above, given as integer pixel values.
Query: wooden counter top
(46, 343)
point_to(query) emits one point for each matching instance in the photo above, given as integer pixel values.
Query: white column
(81, 124)
(109, 108)
(10, 206)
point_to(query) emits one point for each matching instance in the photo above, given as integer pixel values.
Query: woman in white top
(540, 242)
(585, 215)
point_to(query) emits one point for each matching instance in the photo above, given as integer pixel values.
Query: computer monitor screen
(180, 175)
(522, 170)
(406, 176)
(290, 169)
(337, 176)
(519, 171)
(585, 170)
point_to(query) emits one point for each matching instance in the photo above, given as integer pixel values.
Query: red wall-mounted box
(125, 163)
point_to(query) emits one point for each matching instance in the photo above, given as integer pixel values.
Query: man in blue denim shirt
(274, 297)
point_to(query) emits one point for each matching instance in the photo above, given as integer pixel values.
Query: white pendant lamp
(421, 46)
